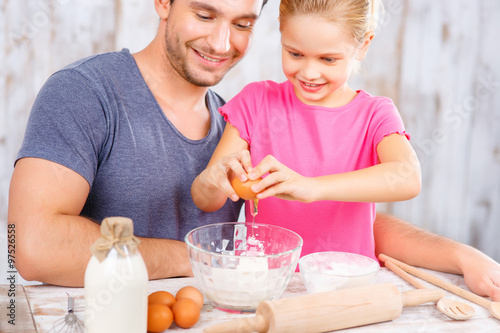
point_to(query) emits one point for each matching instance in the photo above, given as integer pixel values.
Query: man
(126, 135)
(121, 134)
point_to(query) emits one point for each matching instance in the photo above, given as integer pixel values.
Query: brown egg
(243, 189)
(160, 317)
(192, 293)
(186, 312)
(161, 297)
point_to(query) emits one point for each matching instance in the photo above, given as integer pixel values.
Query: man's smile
(210, 59)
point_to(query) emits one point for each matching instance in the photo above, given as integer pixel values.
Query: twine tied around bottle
(115, 233)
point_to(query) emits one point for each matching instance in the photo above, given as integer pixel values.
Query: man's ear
(162, 8)
(363, 48)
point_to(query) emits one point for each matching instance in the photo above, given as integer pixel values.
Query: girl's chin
(311, 100)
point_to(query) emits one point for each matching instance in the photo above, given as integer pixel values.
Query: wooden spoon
(493, 307)
(453, 309)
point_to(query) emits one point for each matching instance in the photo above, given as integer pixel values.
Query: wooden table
(48, 303)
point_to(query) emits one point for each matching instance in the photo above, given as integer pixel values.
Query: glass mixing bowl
(239, 264)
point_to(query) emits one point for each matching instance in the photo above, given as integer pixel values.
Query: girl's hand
(219, 174)
(282, 182)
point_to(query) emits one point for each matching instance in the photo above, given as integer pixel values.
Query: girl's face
(318, 57)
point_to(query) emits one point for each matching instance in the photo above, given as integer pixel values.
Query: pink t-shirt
(315, 141)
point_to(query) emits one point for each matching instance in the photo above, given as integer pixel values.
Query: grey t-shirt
(99, 118)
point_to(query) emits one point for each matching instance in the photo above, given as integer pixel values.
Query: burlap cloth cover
(115, 232)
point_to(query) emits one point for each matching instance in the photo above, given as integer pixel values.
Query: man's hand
(417, 247)
(482, 274)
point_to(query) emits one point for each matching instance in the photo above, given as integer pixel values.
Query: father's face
(205, 38)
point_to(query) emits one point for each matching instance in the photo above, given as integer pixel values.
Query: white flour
(245, 286)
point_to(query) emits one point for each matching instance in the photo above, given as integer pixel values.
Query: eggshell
(244, 190)
(160, 317)
(161, 297)
(192, 293)
(186, 312)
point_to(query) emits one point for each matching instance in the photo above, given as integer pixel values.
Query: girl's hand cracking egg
(244, 190)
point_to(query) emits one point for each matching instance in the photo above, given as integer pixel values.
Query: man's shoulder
(98, 67)
(101, 61)
(214, 99)
(101, 72)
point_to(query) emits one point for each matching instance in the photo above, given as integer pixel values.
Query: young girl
(326, 152)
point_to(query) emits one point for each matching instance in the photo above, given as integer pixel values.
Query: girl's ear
(162, 8)
(363, 48)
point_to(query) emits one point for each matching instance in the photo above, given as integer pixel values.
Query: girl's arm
(231, 158)
(396, 178)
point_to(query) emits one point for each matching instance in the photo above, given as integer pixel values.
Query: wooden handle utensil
(493, 307)
(451, 308)
(329, 311)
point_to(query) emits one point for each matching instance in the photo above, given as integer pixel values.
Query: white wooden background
(437, 59)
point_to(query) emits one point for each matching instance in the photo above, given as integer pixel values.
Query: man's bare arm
(417, 247)
(53, 241)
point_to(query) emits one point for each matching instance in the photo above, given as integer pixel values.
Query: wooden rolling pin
(329, 311)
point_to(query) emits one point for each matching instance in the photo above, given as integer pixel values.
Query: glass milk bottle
(116, 281)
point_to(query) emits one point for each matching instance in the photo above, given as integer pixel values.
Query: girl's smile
(311, 87)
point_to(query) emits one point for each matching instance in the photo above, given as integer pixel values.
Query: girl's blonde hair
(360, 16)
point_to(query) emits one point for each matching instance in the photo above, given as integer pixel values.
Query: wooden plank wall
(437, 59)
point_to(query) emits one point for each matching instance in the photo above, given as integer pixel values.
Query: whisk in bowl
(70, 322)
